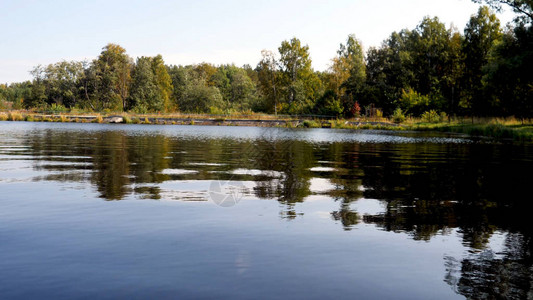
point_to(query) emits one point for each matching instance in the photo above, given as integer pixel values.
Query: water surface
(107, 211)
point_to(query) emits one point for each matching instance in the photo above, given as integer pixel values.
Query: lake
(211, 212)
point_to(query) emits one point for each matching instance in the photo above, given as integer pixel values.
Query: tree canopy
(483, 71)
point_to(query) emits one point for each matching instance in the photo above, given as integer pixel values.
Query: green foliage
(398, 116)
(300, 86)
(350, 63)
(111, 76)
(413, 102)
(237, 89)
(145, 95)
(311, 124)
(508, 78)
(430, 43)
(389, 70)
(180, 77)
(427, 59)
(57, 108)
(60, 82)
(498, 131)
(140, 109)
(216, 110)
(482, 33)
(198, 97)
(15, 95)
(5, 105)
(151, 87)
(198, 88)
(163, 83)
(379, 113)
(430, 67)
(268, 86)
(329, 105)
(433, 117)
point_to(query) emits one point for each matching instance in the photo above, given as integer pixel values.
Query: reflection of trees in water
(486, 275)
(290, 159)
(421, 218)
(122, 164)
(428, 189)
(111, 165)
(285, 177)
(477, 189)
(347, 179)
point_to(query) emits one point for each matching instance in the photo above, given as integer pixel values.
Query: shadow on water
(475, 190)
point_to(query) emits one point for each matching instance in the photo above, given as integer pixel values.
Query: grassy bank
(502, 129)
(260, 120)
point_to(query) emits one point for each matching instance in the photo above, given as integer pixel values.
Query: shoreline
(256, 121)
(494, 128)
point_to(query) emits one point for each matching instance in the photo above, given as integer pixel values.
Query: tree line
(484, 71)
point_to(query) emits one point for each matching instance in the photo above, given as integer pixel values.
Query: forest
(484, 71)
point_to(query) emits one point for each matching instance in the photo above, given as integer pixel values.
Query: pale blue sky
(186, 32)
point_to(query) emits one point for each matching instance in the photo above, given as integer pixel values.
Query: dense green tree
(427, 61)
(389, 71)
(199, 97)
(113, 76)
(329, 105)
(300, 84)
(428, 68)
(145, 95)
(206, 72)
(3, 96)
(242, 89)
(236, 87)
(180, 77)
(268, 81)
(430, 51)
(481, 34)
(508, 79)
(349, 69)
(163, 82)
(16, 95)
(195, 88)
(38, 98)
(454, 72)
(151, 87)
(61, 82)
(349, 62)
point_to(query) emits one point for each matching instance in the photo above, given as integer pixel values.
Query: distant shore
(198, 119)
(502, 129)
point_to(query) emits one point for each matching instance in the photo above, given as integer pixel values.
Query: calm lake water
(133, 211)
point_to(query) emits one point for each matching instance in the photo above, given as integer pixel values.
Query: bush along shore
(522, 132)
